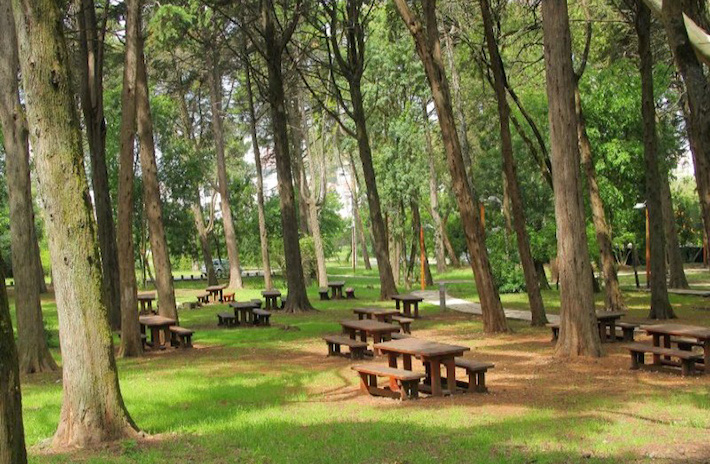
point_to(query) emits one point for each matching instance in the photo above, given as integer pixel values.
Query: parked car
(221, 268)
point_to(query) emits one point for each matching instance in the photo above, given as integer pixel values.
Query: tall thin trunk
(614, 299)
(434, 196)
(297, 137)
(12, 432)
(151, 194)
(230, 234)
(358, 219)
(91, 44)
(426, 38)
(416, 245)
(203, 239)
(455, 261)
(42, 284)
(34, 355)
(263, 237)
(130, 328)
(660, 305)
(537, 308)
(579, 334)
(676, 272)
(92, 407)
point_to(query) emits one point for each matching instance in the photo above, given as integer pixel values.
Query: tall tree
(12, 432)
(532, 285)
(434, 196)
(92, 407)
(579, 335)
(660, 305)
(91, 71)
(676, 273)
(32, 342)
(426, 39)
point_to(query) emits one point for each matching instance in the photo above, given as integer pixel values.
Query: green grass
(269, 395)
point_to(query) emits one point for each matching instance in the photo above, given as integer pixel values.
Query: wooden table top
(369, 325)
(407, 297)
(680, 330)
(151, 321)
(419, 347)
(244, 305)
(270, 293)
(215, 288)
(146, 296)
(610, 314)
(337, 283)
(376, 311)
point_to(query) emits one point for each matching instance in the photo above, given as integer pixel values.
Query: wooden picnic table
(381, 314)
(607, 319)
(379, 331)
(145, 299)
(433, 356)
(156, 324)
(336, 289)
(408, 301)
(271, 296)
(244, 311)
(215, 290)
(664, 332)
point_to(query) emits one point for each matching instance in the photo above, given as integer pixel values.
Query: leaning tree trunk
(418, 245)
(537, 308)
(32, 342)
(579, 334)
(91, 46)
(660, 305)
(203, 239)
(131, 344)
(42, 284)
(455, 261)
(151, 193)
(297, 297)
(614, 299)
(676, 272)
(426, 38)
(434, 196)
(92, 407)
(263, 237)
(230, 233)
(12, 432)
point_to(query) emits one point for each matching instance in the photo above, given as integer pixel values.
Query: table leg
(363, 336)
(392, 360)
(612, 331)
(435, 378)
(351, 333)
(656, 342)
(406, 309)
(451, 375)
(155, 337)
(221, 295)
(416, 310)
(667, 344)
(706, 349)
(396, 303)
(407, 362)
(602, 331)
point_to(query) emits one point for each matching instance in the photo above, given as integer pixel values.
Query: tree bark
(537, 308)
(131, 344)
(676, 272)
(579, 334)
(426, 38)
(359, 224)
(297, 137)
(434, 196)
(455, 261)
(660, 305)
(151, 193)
(614, 299)
(92, 407)
(203, 239)
(34, 355)
(230, 233)
(12, 432)
(42, 284)
(91, 47)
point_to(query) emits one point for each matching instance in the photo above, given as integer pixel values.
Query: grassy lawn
(270, 395)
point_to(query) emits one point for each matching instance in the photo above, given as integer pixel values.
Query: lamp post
(648, 243)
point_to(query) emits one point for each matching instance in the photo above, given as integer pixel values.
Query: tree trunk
(614, 299)
(676, 272)
(417, 245)
(92, 407)
(455, 261)
(355, 192)
(297, 297)
(151, 194)
(426, 38)
(698, 96)
(42, 284)
(542, 277)
(203, 239)
(91, 65)
(293, 114)
(579, 334)
(12, 432)
(660, 305)
(434, 196)
(34, 355)
(230, 233)
(537, 308)
(263, 238)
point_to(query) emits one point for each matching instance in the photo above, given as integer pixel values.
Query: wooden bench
(180, 336)
(227, 320)
(257, 302)
(686, 344)
(476, 371)
(323, 293)
(357, 348)
(203, 298)
(555, 330)
(405, 323)
(400, 335)
(261, 317)
(350, 293)
(687, 358)
(627, 331)
(144, 339)
(227, 297)
(402, 384)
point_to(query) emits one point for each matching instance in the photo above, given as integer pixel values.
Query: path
(464, 306)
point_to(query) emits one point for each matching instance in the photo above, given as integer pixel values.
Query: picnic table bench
(216, 292)
(408, 302)
(336, 288)
(271, 297)
(261, 317)
(405, 323)
(227, 319)
(403, 384)
(356, 347)
(244, 311)
(687, 358)
(665, 333)
(350, 293)
(156, 325)
(381, 314)
(476, 371)
(323, 293)
(180, 337)
(145, 299)
(203, 298)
